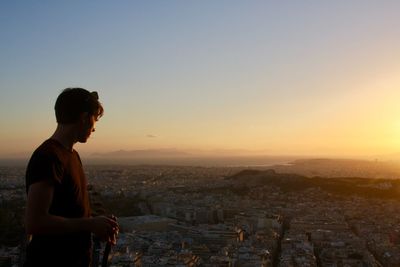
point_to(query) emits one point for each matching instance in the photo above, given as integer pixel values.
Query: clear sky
(277, 77)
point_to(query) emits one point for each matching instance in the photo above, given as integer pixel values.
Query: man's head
(78, 107)
(72, 102)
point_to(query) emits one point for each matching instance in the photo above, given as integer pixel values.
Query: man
(58, 212)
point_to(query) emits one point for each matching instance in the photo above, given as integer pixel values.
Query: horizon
(171, 156)
(279, 79)
(170, 152)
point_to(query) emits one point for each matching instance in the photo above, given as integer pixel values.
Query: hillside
(366, 187)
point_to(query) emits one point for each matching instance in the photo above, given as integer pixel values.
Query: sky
(268, 77)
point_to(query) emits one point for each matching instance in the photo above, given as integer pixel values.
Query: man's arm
(39, 221)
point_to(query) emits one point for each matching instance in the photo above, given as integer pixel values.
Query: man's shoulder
(50, 150)
(47, 145)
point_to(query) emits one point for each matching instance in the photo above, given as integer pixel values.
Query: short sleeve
(44, 167)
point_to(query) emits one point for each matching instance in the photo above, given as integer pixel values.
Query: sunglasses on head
(95, 95)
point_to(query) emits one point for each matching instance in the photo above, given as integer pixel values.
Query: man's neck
(65, 135)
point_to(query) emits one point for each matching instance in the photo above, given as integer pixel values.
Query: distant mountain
(186, 157)
(173, 152)
(145, 153)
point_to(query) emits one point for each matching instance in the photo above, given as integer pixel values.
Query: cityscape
(231, 216)
(217, 133)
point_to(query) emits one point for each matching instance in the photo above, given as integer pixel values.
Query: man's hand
(105, 228)
(39, 221)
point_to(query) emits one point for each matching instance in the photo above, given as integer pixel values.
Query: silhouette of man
(58, 212)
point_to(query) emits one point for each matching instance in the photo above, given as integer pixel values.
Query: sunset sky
(267, 77)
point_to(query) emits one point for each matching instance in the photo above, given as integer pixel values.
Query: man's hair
(72, 102)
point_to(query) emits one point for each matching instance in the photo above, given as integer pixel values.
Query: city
(230, 216)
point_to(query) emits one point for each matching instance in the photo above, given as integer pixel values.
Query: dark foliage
(366, 187)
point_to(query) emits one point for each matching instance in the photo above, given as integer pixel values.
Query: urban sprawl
(219, 216)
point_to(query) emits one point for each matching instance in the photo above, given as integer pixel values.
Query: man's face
(87, 126)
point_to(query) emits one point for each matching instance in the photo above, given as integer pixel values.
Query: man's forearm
(50, 224)
(102, 226)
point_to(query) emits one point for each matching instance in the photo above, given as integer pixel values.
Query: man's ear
(84, 117)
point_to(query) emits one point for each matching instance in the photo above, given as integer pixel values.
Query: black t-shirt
(53, 163)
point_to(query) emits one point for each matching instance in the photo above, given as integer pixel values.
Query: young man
(57, 212)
